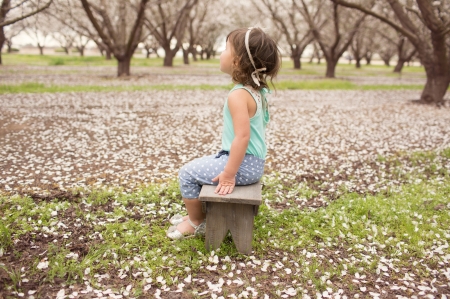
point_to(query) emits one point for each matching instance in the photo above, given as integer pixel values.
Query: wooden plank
(241, 227)
(216, 224)
(249, 194)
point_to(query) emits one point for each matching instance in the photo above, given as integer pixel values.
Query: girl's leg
(201, 172)
(192, 176)
(195, 214)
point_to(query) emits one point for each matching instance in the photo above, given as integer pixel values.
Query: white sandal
(176, 219)
(174, 234)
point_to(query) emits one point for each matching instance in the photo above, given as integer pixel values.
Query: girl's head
(236, 61)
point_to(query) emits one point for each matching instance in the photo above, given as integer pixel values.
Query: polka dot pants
(201, 171)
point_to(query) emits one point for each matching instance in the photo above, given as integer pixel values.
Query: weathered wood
(224, 217)
(250, 194)
(233, 212)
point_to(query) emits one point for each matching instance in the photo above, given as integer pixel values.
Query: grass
(342, 70)
(322, 84)
(124, 236)
(42, 88)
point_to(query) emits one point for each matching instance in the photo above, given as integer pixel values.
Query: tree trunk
(185, 56)
(435, 89)
(148, 51)
(66, 50)
(399, 66)
(331, 68)
(9, 45)
(124, 66)
(358, 63)
(297, 62)
(386, 62)
(194, 54)
(108, 54)
(368, 59)
(2, 41)
(41, 49)
(168, 58)
(81, 50)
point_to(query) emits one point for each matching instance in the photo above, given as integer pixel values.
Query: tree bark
(41, 49)
(331, 68)
(194, 54)
(368, 58)
(168, 58)
(81, 50)
(185, 56)
(435, 89)
(399, 66)
(2, 42)
(297, 62)
(358, 62)
(123, 68)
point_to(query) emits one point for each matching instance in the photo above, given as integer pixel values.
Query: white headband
(255, 74)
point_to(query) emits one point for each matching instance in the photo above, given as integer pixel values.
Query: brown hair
(264, 51)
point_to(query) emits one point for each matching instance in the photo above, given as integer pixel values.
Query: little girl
(250, 58)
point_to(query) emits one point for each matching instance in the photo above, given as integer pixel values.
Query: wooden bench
(234, 212)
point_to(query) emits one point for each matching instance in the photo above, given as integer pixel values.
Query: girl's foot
(186, 229)
(177, 219)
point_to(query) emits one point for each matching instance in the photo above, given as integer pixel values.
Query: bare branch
(411, 35)
(6, 23)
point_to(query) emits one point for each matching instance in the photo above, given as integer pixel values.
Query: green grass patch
(123, 234)
(320, 84)
(42, 88)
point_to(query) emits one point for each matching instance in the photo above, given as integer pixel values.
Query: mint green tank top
(257, 143)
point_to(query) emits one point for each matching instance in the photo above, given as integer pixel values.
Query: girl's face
(226, 59)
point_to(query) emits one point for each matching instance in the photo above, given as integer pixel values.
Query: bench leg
(216, 224)
(241, 227)
(238, 218)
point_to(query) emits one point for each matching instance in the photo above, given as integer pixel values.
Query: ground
(59, 149)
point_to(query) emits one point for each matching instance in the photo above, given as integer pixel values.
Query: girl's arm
(238, 104)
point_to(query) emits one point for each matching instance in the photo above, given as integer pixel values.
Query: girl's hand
(226, 183)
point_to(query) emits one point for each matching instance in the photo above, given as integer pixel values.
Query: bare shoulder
(240, 97)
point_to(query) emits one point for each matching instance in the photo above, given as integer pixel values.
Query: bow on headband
(255, 74)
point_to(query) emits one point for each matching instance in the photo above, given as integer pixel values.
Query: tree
(289, 22)
(335, 38)
(363, 44)
(38, 28)
(11, 32)
(64, 36)
(21, 9)
(72, 17)
(151, 45)
(317, 53)
(118, 36)
(387, 51)
(426, 24)
(168, 25)
(405, 52)
(80, 43)
(197, 19)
